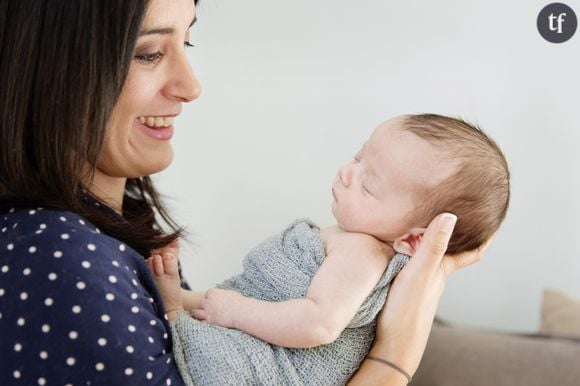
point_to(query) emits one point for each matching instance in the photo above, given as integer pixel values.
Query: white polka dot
(134, 282)
(122, 247)
(81, 285)
(86, 264)
(150, 339)
(73, 335)
(41, 381)
(81, 222)
(4, 229)
(5, 268)
(110, 297)
(17, 347)
(130, 349)
(62, 218)
(135, 272)
(70, 361)
(31, 212)
(135, 309)
(45, 328)
(168, 382)
(76, 309)
(151, 358)
(168, 361)
(52, 276)
(57, 254)
(14, 226)
(32, 249)
(1, 291)
(102, 342)
(65, 236)
(91, 247)
(23, 296)
(112, 279)
(128, 371)
(48, 302)
(131, 328)
(16, 374)
(149, 375)
(99, 366)
(115, 263)
(97, 230)
(105, 318)
(152, 322)
(165, 336)
(134, 296)
(10, 246)
(151, 300)
(38, 231)
(42, 226)
(21, 321)
(43, 355)
(26, 271)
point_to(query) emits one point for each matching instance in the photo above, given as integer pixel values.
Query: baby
(303, 311)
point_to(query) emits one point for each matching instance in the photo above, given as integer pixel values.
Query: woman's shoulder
(73, 297)
(42, 229)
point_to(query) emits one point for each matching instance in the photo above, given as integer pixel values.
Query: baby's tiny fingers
(199, 314)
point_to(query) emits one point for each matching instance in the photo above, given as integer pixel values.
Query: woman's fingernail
(448, 221)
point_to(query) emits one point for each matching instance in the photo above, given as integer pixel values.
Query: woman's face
(160, 79)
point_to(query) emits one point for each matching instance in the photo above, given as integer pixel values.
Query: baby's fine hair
(478, 192)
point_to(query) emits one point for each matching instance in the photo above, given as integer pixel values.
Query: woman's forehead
(169, 13)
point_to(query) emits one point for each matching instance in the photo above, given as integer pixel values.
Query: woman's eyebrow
(163, 31)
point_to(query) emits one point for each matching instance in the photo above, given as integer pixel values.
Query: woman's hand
(405, 322)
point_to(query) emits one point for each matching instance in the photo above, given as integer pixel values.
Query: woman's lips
(159, 133)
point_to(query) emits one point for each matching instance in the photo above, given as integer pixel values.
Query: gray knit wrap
(279, 269)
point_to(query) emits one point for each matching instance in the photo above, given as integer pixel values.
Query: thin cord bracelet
(392, 365)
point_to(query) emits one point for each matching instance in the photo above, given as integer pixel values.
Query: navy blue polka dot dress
(77, 307)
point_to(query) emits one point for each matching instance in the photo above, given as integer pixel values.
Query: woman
(89, 92)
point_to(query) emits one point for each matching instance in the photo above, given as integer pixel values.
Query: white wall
(292, 88)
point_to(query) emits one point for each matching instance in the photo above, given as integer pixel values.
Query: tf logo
(557, 22)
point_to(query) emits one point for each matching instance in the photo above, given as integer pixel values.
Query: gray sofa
(457, 356)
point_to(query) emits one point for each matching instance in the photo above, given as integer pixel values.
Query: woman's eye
(149, 58)
(366, 190)
(188, 45)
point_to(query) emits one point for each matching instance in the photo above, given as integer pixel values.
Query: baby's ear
(409, 242)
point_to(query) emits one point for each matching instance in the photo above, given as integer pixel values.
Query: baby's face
(375, 192)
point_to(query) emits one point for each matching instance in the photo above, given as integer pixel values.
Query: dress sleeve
(77, 308)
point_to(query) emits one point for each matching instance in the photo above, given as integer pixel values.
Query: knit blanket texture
(279, 269)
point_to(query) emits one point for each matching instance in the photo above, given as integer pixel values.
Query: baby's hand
(219, 307)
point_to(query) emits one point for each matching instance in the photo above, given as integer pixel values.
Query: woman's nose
(183, 84)
(345, 174)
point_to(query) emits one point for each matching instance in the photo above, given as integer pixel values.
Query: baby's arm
(353, 265)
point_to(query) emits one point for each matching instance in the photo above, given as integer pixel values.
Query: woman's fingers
(434, 242)
(454, 262)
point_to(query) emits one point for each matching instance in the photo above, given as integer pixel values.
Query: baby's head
(414, 167)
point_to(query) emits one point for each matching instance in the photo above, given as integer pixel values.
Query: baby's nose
(345, 174)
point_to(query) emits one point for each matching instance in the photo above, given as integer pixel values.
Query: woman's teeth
(156, 121)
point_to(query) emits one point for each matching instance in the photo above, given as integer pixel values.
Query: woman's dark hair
(62, 67)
